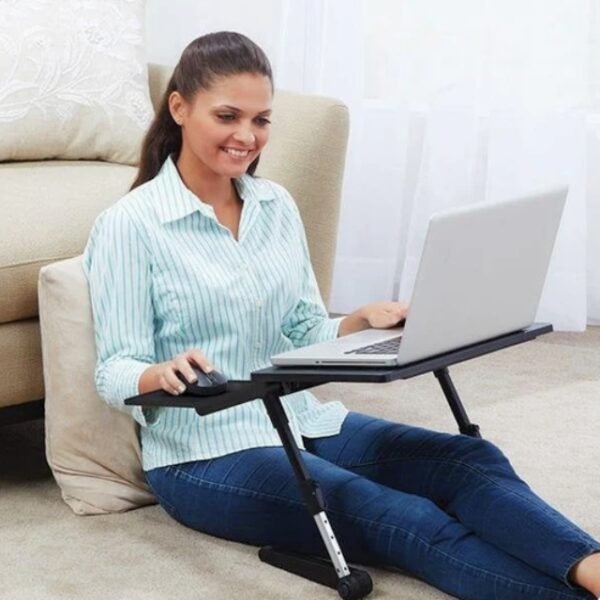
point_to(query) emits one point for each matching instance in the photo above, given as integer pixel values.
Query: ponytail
(162, 139)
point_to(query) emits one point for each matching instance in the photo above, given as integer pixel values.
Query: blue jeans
(449, 509)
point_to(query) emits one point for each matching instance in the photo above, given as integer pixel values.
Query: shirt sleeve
(308, 323)
(118, 268)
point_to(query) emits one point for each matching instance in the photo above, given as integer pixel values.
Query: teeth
(238, 153)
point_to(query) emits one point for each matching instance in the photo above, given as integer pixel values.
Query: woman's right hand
(162, 375)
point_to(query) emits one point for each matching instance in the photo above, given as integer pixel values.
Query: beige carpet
(540, 402)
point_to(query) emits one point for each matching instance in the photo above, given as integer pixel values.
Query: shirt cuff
(146, 416)
(333, 328)
(118, 381)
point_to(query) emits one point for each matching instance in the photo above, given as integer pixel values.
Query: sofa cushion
(73, 80)
(21, 356)
(46, 212)
(92, 448)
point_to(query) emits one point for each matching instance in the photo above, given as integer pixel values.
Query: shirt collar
(176, 201)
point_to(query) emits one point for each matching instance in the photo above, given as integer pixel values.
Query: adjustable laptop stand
(272, 383)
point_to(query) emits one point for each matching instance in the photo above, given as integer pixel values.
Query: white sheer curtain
(455, 103)
(451, 103)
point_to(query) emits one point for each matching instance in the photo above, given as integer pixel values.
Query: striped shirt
(165, 276)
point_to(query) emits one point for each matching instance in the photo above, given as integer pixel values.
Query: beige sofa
(47, 209)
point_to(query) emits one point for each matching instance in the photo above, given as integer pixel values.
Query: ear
(177, 107)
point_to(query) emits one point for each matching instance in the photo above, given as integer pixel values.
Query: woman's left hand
(383, 315)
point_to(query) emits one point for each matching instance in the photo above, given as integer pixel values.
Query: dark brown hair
(205, 59)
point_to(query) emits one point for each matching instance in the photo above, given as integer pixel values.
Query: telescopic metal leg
(350, 583)
(458, 410)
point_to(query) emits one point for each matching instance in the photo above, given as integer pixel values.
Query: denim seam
(277, 499)
(451, 559)
(548, 511)
(230, 488)
(575, 558)
(459, 463)
(354, 434)
(166, 504)
(375, 524)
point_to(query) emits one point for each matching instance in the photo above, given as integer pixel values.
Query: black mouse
(208, 384)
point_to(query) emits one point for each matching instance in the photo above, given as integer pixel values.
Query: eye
(226, 116)
(263, 121)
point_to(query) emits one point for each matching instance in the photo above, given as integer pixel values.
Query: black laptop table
(272, 383)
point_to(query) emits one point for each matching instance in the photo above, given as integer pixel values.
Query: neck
(209, 187)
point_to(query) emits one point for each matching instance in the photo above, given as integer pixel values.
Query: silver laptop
(481, 275)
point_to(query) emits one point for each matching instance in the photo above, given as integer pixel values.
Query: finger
(198, 357)
(399, 307)
(395, 308)
(385, 322)
(170, 383)
(182, 364)
(390, 320)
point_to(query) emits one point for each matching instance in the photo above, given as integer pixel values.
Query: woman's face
(226, 127)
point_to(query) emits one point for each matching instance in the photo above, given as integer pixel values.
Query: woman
(203, 264)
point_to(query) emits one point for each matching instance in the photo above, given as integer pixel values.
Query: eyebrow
(237, 110)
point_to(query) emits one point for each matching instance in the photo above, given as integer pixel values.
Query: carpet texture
(540, 402)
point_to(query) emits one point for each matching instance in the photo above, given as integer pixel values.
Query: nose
(245, 136)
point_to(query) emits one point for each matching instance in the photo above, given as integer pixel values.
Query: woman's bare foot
(586, 573)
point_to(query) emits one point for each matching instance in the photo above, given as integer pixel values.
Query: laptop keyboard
(390, 346)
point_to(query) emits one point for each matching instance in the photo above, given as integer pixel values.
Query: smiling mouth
(236, 153)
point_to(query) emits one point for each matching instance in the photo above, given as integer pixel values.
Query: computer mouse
(208, 384)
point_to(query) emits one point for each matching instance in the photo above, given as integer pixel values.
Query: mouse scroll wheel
(211, 377)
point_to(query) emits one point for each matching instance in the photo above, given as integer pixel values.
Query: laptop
(480, 276)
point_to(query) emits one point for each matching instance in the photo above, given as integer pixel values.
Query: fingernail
(209, 368)
(193, 379)
(181, 389)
